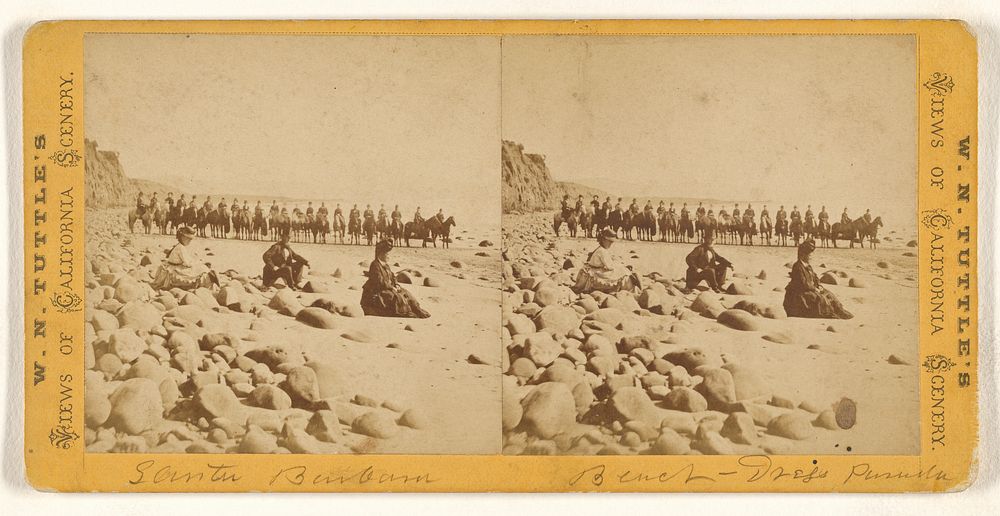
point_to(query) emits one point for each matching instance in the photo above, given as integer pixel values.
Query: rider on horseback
(844, 217)
(322, 211)
(170, 201)
(781, 216)
(809, 215)
(369, 214)
(579, 204)
(796, 216)
(700, 212)
(418, 219)
(396, 215)
(381, 213)
(140, 204)
(867, 216)
(824, 217)
(274, 210)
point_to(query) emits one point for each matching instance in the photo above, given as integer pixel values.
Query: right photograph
(709, 245)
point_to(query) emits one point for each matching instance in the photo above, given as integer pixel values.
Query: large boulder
(139, 315)
(136, 406)
(317, 318)
(541, 348)
(285, 302)
(793, 425)
(557, 319)
(549, 410)
(376, 424)
(217, 400)
(708, 304)
(633, 404)
(126, 345)
(718, 388)
(738, 320)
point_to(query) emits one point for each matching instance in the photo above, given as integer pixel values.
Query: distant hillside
(105, 182)
(528, 186)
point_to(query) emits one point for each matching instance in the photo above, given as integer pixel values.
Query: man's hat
(185, 231)
(606, 234)
(807, 247)
(383, 245)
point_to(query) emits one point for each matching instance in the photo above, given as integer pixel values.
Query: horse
(201, 221)
(628, 222)
(795, 228)
(570, 218)
(368, 228)
(354, 229)
(382, 227)
(766, 228)
(160, 216)
(823, 232)
(723, 227)
(437, 229)
(396, 232)
(587, 223)
(781, 230)
(645, 224)
(415, 230)
(599, 220)
(320, 228)
(686, 228)
(145, 217)
(809, 228)
(339, 228)
(668, 227)
(615, 219)
(243, 224)
(747, 229)
(870, 230)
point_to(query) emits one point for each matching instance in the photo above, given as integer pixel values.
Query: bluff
(105, 182)
(528, 186)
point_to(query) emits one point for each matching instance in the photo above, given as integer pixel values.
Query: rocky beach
(243, 369)
(661, 371)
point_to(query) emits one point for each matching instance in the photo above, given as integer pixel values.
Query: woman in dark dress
(805, 296)
(381, 295)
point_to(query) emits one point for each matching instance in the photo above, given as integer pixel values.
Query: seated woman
(183, 268)
(805, 296)
(601, 272)
(381, 295)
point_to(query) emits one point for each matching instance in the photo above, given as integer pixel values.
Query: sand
(822, 362)
(444, 368)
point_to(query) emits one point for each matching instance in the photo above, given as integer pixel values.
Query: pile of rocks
(188, 371)
(617, 374)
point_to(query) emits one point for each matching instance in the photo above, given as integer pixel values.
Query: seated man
(281, 262)
(704, 264)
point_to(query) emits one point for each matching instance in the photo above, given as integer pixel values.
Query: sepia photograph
(709, 245)
(292, 244)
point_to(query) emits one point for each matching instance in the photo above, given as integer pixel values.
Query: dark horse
(415, 230)
(436, 229)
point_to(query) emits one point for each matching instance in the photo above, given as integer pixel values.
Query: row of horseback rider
(189, 211)
(604, 214)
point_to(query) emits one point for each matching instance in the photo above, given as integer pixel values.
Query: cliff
(528, 186)
(105, 182)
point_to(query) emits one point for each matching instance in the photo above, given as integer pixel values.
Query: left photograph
(292, 244)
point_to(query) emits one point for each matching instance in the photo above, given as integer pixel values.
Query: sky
(393, 119)
(799, 119)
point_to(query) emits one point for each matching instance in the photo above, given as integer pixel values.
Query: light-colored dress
(603, 273)
(183, 268)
